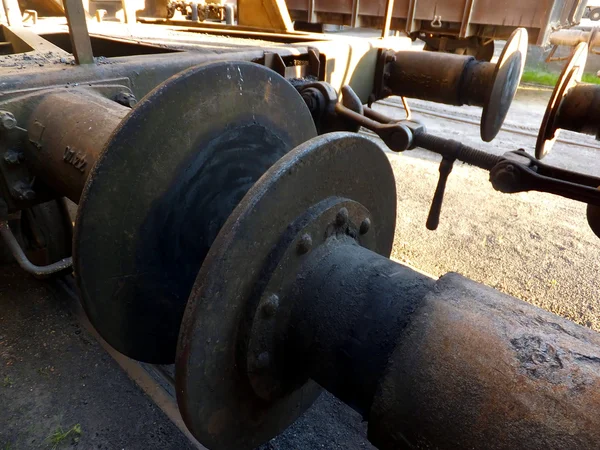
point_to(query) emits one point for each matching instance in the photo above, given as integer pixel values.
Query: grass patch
(59, 436)
(550, 79)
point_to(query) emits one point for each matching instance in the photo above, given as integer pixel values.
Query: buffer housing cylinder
(447, 364)
(441, 78)
(67, 132)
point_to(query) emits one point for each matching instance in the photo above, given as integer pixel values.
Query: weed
(550, 79)
(59, 436)
(7, 382)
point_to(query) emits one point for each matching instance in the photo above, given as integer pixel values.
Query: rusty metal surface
(166, 181)
(479, 369)
(350, 306)
(216, 399)
(274, 369)
(580, 110)
(67, 132)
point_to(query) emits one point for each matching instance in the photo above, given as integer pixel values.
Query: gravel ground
(55, 377)
(534, 246)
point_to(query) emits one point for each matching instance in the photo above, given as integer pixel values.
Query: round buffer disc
(570, 76)
(507, 76)
(215, 396)
(166, 182)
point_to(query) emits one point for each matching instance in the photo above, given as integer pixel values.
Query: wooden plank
(80, 38)
(271, 14)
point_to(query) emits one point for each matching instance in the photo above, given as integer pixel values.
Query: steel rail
(476, 123)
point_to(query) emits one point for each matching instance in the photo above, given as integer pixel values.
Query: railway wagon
(233, 223)
(461, 26)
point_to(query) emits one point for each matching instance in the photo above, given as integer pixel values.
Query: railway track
(529, 132)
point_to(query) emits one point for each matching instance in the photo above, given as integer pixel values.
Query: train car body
(457, 19)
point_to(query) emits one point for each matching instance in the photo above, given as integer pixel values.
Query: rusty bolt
(271, 305)
(23, 191)
(341, 218)
(390, 58)
(7, 120)
(305, 244)
(365, 226)
(262, 361)
(505, 179)
(13, 157)
(126, 99)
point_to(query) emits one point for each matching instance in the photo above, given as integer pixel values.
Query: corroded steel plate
(570, 76)
(507, 76)
(164, 185)
(214, 394)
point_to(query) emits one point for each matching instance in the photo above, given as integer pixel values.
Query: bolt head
(22, 191)
(126, 99)
(305, 244)
(7, 120)
(271, 306)
(365, 226)
(390, 58)
(341, 218)
(262, 361)
(13, 157)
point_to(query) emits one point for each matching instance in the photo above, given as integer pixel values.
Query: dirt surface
(534, 246)
(54, 376)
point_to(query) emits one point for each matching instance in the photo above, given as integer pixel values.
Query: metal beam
(271, 14)
(355, 20)
(311, 11)
(13, 12)
(389, 11)
(465, 28)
